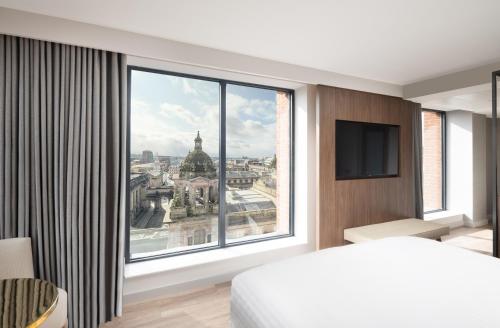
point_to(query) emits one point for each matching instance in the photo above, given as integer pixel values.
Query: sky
(167, 111)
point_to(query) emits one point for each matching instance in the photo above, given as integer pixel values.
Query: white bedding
(394, 282)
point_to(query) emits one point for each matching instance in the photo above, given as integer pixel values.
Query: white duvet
(394, 282)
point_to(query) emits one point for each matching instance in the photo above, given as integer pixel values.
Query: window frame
(443, 159)
(222, 165)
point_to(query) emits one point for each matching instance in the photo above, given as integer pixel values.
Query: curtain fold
(417, 161)
(63, 132)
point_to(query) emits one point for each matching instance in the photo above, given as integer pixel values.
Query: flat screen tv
(366, 150)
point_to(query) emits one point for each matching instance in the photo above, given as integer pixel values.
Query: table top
(396, 228)
(26, 302)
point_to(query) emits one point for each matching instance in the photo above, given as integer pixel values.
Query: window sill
(451, 218)
(144, 268)
(440, 214)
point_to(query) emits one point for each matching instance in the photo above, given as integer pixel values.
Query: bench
(404, 227)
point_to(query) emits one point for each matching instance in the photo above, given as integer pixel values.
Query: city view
(174, 163)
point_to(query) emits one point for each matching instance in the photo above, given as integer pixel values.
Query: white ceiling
(476, 99)
(393, 41)
(479, 102)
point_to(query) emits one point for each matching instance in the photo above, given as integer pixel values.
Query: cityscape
(174, 201)
(174, 163)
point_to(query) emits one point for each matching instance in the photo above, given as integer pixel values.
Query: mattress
(393, 282)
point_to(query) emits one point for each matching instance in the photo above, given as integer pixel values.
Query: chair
(17, 253)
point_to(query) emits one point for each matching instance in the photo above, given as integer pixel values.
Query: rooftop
(247, 200)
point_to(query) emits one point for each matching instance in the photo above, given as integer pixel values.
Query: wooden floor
(209, 307)
(476, 239)
(205, 308)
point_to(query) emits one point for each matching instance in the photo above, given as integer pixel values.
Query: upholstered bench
(404, 227)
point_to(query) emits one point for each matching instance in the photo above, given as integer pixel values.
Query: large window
(433, 136)
(210, 163)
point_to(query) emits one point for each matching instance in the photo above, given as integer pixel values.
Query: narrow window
(433, 160)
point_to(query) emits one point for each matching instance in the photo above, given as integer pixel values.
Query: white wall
(489, 185)
(459, 162)
(479, 166)
(466, 166)
(48, 28)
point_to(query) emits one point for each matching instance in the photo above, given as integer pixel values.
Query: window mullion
(443, 161)
(222, 166)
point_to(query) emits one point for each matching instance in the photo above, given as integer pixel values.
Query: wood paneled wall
(350, 203)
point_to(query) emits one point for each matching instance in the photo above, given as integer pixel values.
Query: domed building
(196, 189)
(197, 163)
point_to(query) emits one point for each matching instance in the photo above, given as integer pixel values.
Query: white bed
(393, 282)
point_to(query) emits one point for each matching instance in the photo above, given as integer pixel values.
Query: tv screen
(366, 150)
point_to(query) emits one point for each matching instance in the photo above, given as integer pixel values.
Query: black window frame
(222, 164)
(443, 159)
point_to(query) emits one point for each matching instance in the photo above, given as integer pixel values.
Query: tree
(176, 202)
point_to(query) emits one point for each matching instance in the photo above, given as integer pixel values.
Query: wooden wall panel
(351, 203)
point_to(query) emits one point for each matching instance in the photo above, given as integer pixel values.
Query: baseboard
(475, 223)
(177, 289)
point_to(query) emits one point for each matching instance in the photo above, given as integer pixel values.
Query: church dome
(197, 163)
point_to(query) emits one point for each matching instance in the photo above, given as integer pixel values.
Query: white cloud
(248, 134)
(139, 105)
(235, 102)
(256, 108)
(175, 112)
(187, 88)
(170, 129)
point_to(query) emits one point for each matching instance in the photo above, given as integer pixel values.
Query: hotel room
(264, 164)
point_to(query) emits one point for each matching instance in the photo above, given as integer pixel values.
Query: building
(164, 160)
(196, 189)
(237, 164)
(174, 171)
(241, 179)
(138, 202)
(258, 166)
(142, 168)
(249, 212)
(147, 156)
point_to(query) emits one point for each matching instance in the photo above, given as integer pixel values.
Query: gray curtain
(63, 126)
(417, 151)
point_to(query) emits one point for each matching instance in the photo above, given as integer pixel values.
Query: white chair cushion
(58, 318)
(16, 258)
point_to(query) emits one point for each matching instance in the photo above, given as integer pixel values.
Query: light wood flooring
(209, 307)
(203, 308)
(476, 239)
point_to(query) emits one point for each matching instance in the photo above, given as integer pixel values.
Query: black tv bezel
(363, 177)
